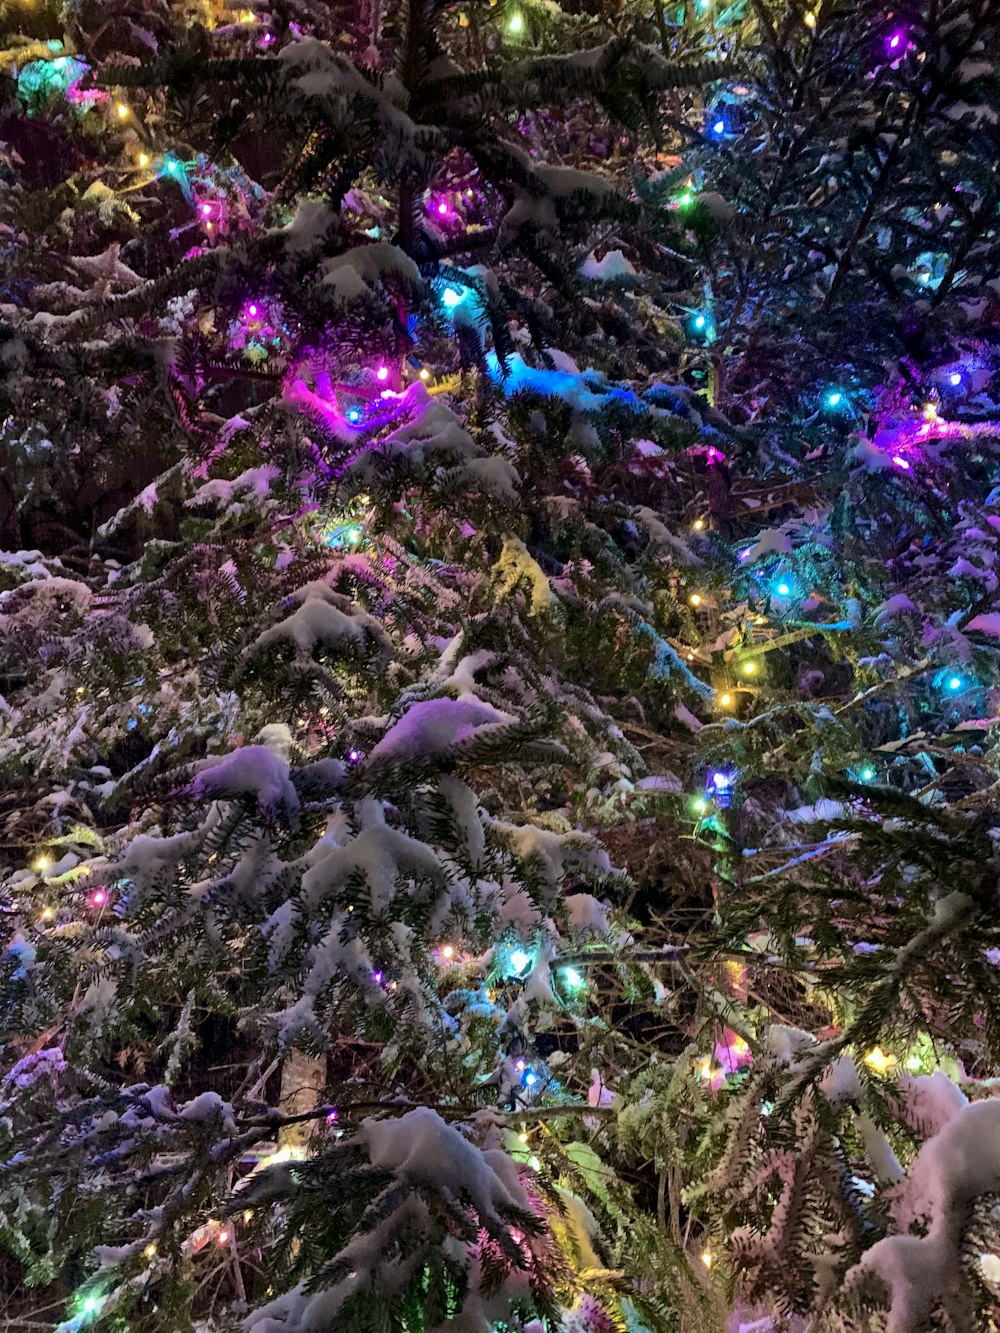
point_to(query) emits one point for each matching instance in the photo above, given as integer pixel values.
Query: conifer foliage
(499, 621)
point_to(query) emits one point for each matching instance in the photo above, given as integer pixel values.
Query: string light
(726, 701)
(809, 19)
(448, 951)
(954, 683)
(834, 399)
(122, 111)
(143, 159)
(450, 297)
(867, 774)
(150, 1251)
(573, 978)
(99, 898)
(223, 1237)
(707, 1258)
(42, 863)
(523, 1136)
(749, 668)
(47, 914)
(515, 24)
(783, 590)
(382, 374)
(699, 805)
(530, 1079)
(425, 374)
(695, 599)
(955, 379)
(698, 524)
(879, 1060)
(519, 960)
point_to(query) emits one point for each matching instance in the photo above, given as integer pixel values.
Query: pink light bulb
(382, 373)
(442, 209)
(901, 462)
(252, 310)
(99, 897)
(207, 210)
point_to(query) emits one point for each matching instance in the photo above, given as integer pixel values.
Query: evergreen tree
(497, 639)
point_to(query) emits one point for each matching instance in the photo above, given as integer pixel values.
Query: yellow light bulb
(143, 159)
(695, 599)
(42, 863)
(522, 1137)
(809, 20)
(879, 1060)
(48, 914)
(149, 1251)
(122, 110)
(726, 700)
(707, 1258)
(247, 1214)
(749, 668)
(425, 374)
(698, 524)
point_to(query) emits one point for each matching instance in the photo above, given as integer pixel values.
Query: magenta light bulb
(442, 209)
(901, 462)
(896, 40)
(99, 898)
(382, 373)
(252, 310)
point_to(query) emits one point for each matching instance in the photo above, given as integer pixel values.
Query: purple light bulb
(896, 39)
(378, 977)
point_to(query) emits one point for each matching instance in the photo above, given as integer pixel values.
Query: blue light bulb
(450, 297)
(530, 1079)
(573, 977)
(699, 321)
(955, 683)
(719, 127)
(834, 399)
(955, 378)
(783, 590)
(867, 774)
(353, 414)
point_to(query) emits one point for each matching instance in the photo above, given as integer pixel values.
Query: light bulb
(522, 1137)
(749, 668)
(172, 165)
(573, 977)
(149, 1251)
(42, 863)
(699, 321)
(248, 1212)
(223, 1237)
(530, 1079)
(726, 700)
(954, 379)
(47, 914)
(695, 599)
(425, 374)
(143, 159)
(719, 127)
(122, 110)
(519, 960)
(955, 683)
(685, 199)
(90, 1304)
(809, 19)
(252, 310)
(699, 805)
(879, 1060)
(707, 1258)
(515, 23)
(382, 374)
(834, 399)
(353, 415)
(99, 897)
(867, 774)
(901, 462)
(783, 590)
(206, 210)
(442, 209)
(450, 297)
(448, 951)
(698, 524)
(721, 780)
